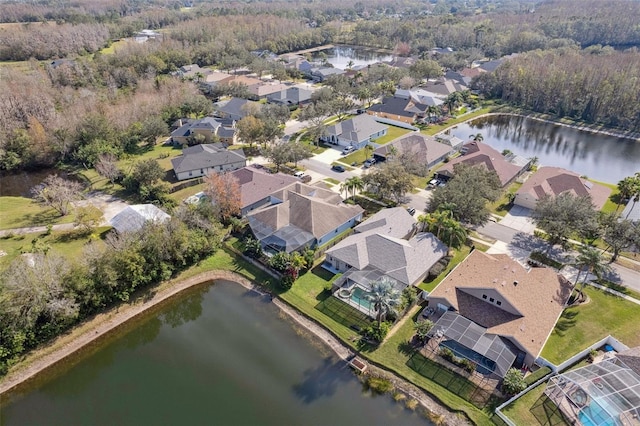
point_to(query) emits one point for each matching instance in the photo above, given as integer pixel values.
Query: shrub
(422, 328)
(252, 248)
(377, 332)
(409, 297)
(379, 385)
(280, 261)
(513, 382)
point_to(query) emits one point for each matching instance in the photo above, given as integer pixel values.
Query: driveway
(519, 218)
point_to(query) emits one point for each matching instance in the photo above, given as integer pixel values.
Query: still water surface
(215, 355)
(340, 56)
(600, 157)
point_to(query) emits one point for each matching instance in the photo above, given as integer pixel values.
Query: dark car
(411, 211)
(337, 168)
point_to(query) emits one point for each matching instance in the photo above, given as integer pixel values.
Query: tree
(513, 382)
(278, 154)
(250, 129)
(629, 187)
(618, 234)
(422, 328)
(299, 151)
(389, 180)
(384, 297)
(87, 218)
(224, 192)
(467, 194)
(442, 224)
(354, 184)
(453, 101)
(424, 69)
(564, 215)
(590, 260)
(57, 193)
(477, 137)
(147, 172)
(107, 167)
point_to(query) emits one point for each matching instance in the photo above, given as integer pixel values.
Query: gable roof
(256, 185)
(422, 146)
(265, 89)
(419, 96)
(554, 181)
(234, 107)
(398, 106)
(292, 95)
(134, 217)
(444, 87)
(535, 296)
(394, 222)
(306, 209)
(204, 156)
(406, 261)
(478, 153)
(357, 129)
(189, 126)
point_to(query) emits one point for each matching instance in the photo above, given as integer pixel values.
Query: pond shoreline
(65, 346)
(634, 136)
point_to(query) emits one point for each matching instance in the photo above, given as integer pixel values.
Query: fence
(186, 184)
(321, 250)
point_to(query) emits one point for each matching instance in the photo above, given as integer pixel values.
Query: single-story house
(194, 71)
(234, 108)
(508, 168)
(493, 296)
(357, 131)
(421, 147)
(419, 96)
(398, 108)
(256, 187)
(133, 218)
(384, 245)
(322, 73)
(200, 160)
(262, 90)
(209, 127)
(291, 96)
(402, 61)
(554, 181)
(443, 87)
(453, 141)
(302, 216)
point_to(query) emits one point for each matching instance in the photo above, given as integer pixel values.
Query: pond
(600, 157)
(19, 184)
(216, 354)
(340, 56)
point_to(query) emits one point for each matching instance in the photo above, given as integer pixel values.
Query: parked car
(433, 183)
(369, 162)
(411, 211)
(337, 168)
(299, 174)
(361, 111)
(348, 150)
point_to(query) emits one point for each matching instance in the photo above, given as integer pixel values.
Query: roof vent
(515, 283)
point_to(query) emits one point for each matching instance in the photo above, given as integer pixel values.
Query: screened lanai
(491, 353)
(606, 393)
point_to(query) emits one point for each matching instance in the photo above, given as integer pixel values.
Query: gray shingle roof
(204, 156)
(206, 123)
(234, 107)
(394, 222)
(422, 146)
(357, 129)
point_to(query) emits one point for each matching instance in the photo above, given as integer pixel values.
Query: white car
(299, 174)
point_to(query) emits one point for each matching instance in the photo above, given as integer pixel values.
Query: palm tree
(590, 260)
(344, 188)
(452, 101)
(631, 188)
(432, 110)
(355, 183)
(477, 137)
(454, 232)
(350, 64)
(384, 297)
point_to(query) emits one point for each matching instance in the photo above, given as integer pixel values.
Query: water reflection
(341, 56)
(600, 157)
(322, 381)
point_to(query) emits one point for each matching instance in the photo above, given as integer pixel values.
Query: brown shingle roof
(256, 185)
(554, 181)
(478, 153)
(535, 303)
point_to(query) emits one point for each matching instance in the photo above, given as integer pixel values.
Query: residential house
(256, 186)
(443, 87)
(322, 73)
(291, 96)
(357, 131)
(420, 147)
(133, 218)
(264, 89)
(188, 129)
(631, 211)
(235, 108)
(553, 181)
(200, 160)
(495, 298)
(146, 35)
(419, 96)
(453, 141)
(398, 108)
(384, 245)
(508, 168)
(302, 216)
(402, 61)
(194, 72)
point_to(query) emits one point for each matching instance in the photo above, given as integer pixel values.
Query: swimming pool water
(594, 415)
(359, 296)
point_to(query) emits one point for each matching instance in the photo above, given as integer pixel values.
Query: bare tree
(107, 167)
(57, 193)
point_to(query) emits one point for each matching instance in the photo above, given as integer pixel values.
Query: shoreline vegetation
(102, 326)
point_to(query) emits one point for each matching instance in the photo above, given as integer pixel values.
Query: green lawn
(502, 205)
(458, 257)
(112, 48)
(436, 128)
(584, 325)
(610, 205)
(534, 408)
(393, 132)
(20, 212)
(332, 181)
(355, 157)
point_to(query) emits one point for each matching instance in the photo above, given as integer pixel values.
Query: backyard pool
(594, 415)
(359, 297)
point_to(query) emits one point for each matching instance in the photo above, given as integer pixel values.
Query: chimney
(515, 283)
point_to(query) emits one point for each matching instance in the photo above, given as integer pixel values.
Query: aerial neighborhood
(444, 195)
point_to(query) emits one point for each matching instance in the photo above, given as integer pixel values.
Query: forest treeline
(597, 85)
(46, 294)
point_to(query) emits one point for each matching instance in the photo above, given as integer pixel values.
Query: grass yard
(68, 244)
(437, 128)
(458, 257)
(610, 205)
(112, 48)
(20, 212)
(503, 204)
(332, 181)
(581, 326)
(357, 157)
(534, 408)
(393, 132)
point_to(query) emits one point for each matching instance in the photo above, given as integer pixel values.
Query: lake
(339, 56)
(216, 354)
(600, 157)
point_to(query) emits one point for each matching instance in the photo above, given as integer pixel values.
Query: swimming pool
(594, 415)
(359, 296)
